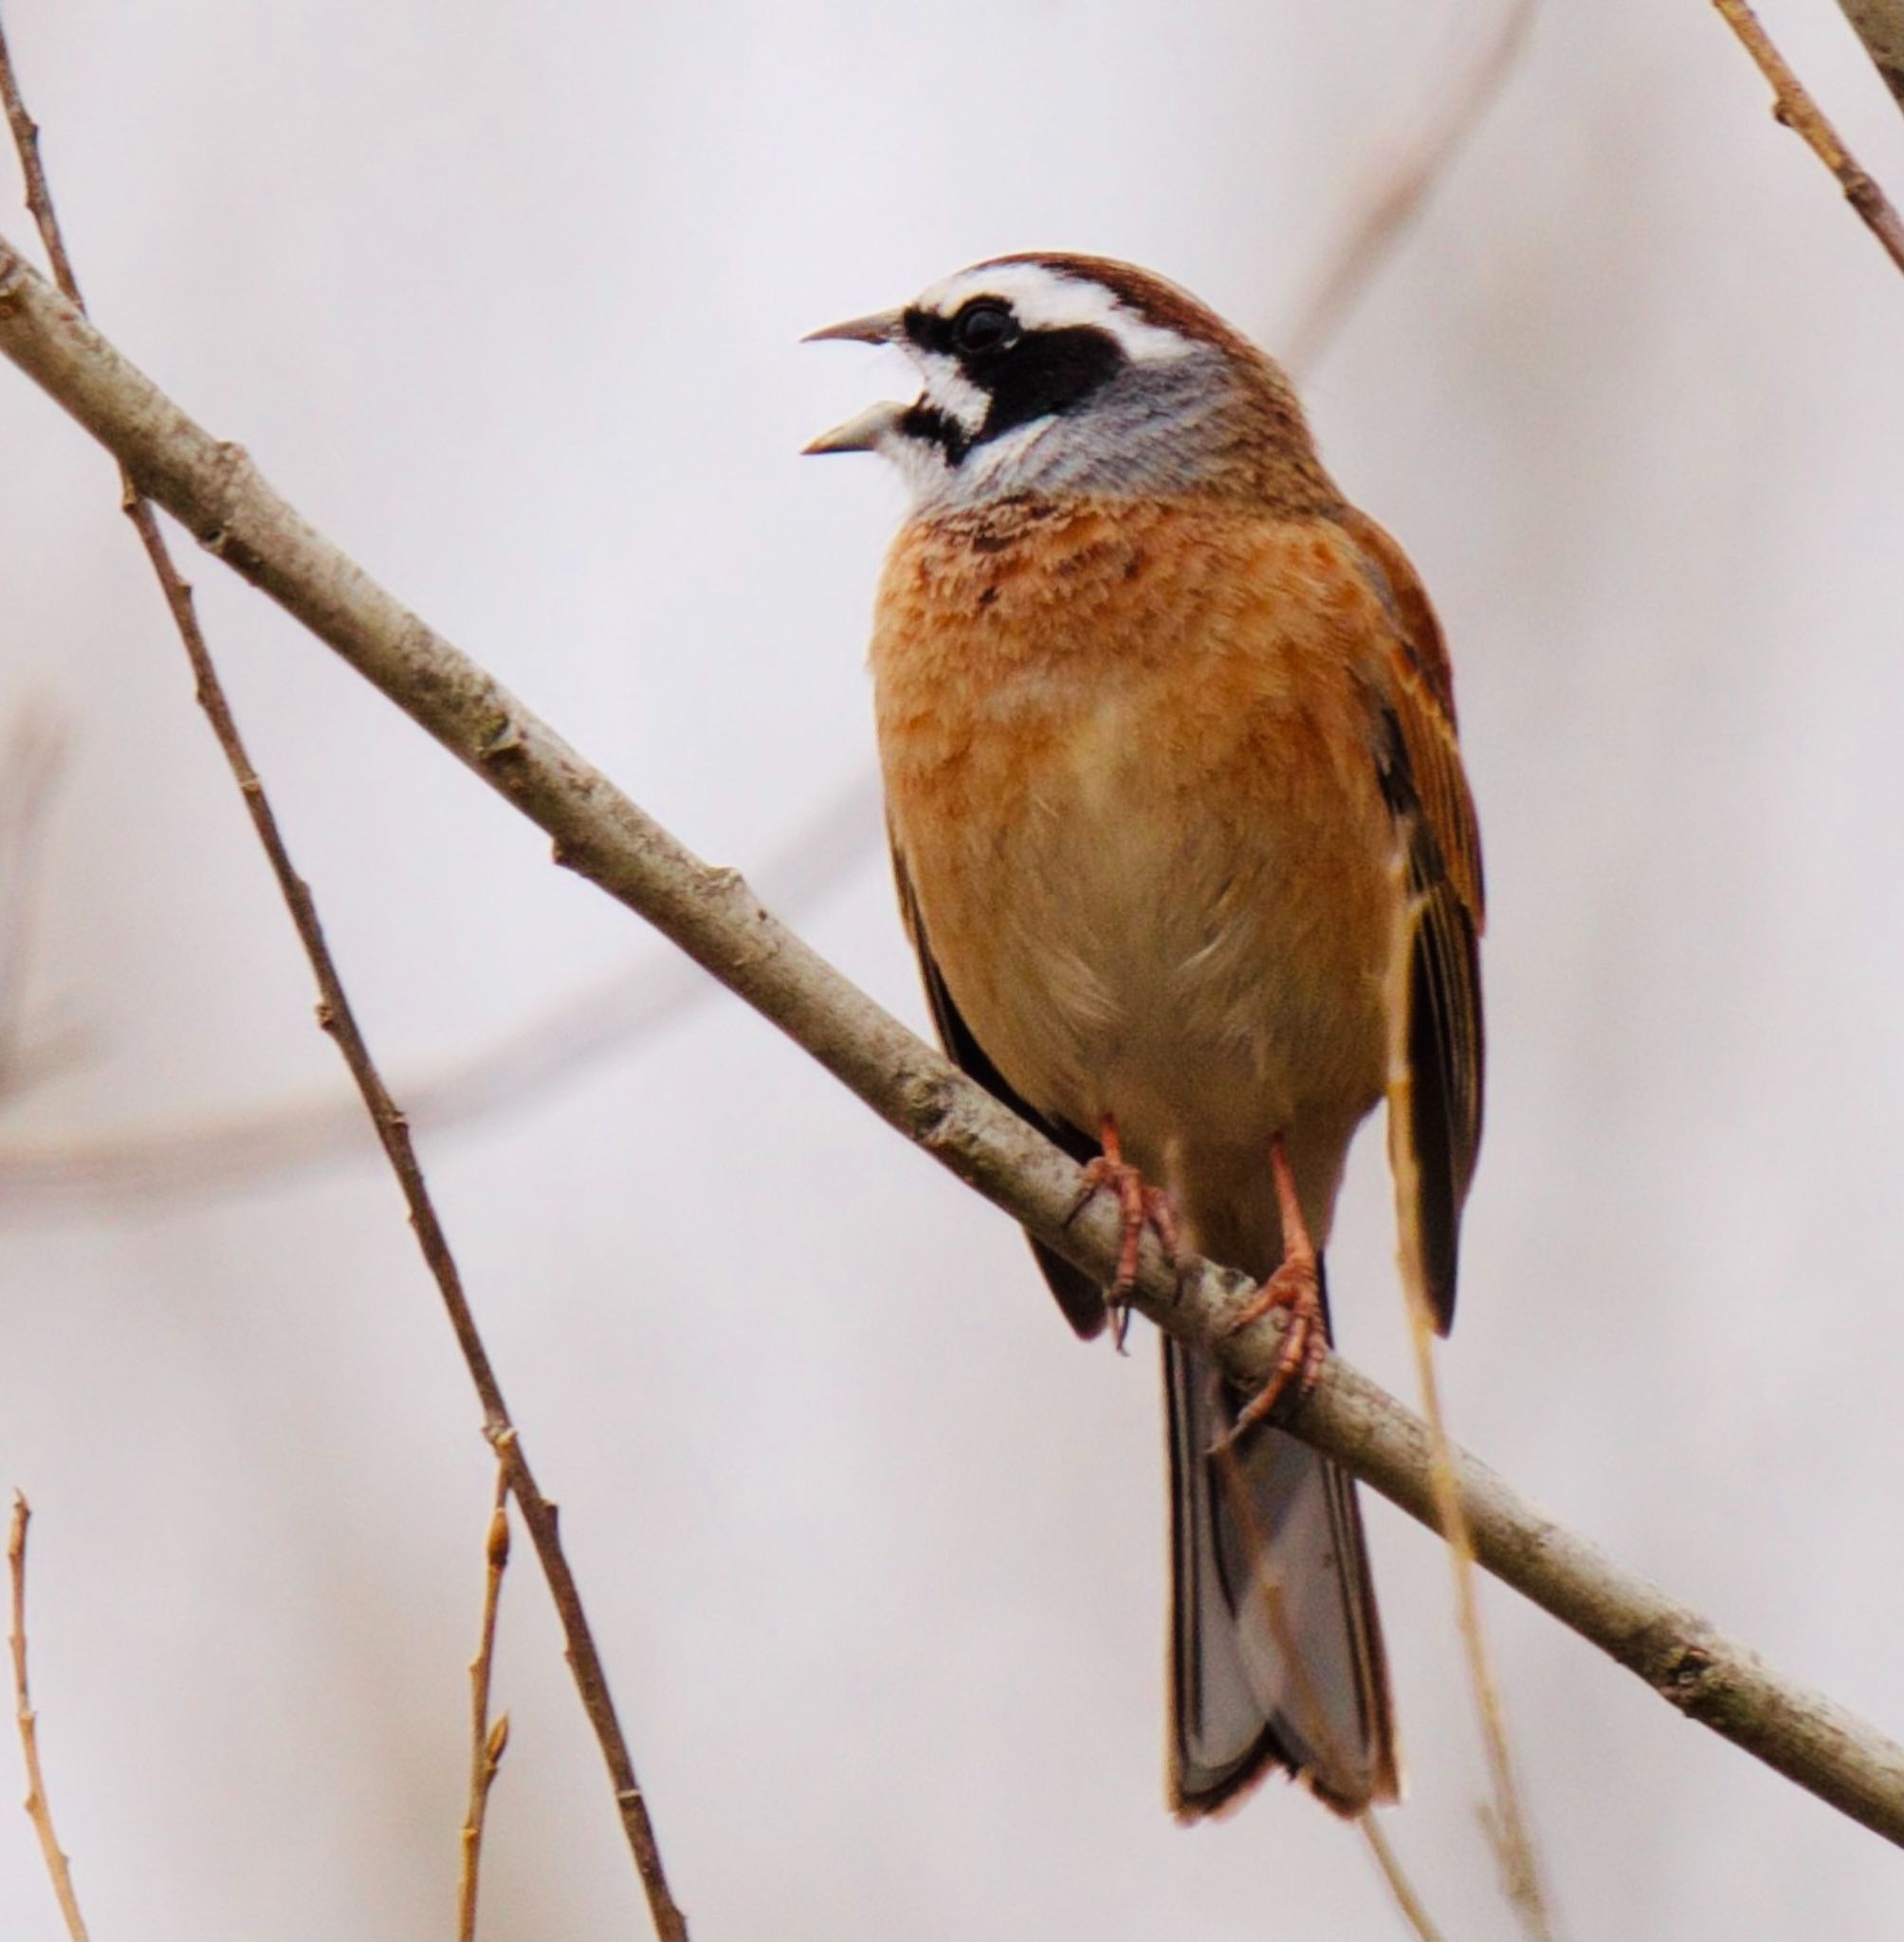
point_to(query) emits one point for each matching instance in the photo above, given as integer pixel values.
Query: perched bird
(1184, 845)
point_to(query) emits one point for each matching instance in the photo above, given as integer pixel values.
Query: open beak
(863, 431)
(882, 327)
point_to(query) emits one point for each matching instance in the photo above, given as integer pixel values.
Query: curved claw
(1139, 1206)
(1296, 1289)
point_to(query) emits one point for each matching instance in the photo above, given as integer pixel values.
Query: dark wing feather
(1434, 1128)
(1445, 1059)
(1079, 1295)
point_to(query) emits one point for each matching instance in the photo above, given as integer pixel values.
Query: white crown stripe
(1047, 298)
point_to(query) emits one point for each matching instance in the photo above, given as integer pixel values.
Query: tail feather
(1276, 1656)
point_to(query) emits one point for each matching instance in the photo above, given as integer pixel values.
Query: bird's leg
(1139, 1206)
(1297, 1286)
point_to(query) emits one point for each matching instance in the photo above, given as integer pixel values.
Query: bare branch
(1792, 105)
(38, 1809)
(220, 496)
(1880, 26)
(486, 1742)
(1389, 204)
(25, 133)
(337, 1016)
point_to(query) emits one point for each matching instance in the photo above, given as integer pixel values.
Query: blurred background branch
(139, 1166)
(1399, 185)
(32, 755)
(218, 494)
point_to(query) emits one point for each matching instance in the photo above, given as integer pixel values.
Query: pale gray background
(507, 299)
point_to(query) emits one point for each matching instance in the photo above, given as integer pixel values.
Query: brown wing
(1434, 1118)
(1079, 1295)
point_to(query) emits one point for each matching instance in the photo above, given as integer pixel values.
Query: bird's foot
(1296, 1289)
(1139, 1206)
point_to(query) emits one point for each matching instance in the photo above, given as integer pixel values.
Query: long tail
(1276, 1656)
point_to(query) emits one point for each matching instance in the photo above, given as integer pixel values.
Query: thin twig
(138, 1165)
(1414, 1909)
(337, 1016)
(1879, 24)
(25, 133)
(486, 1742)
(1508, 1824)
(1795, 107)
(216, 491)
(1389, 208)
(38, 1810)
(1389, 205)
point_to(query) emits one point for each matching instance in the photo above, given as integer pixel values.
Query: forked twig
(38, 1809)
(1793, 106)
(486, 1742)
(336, 1018)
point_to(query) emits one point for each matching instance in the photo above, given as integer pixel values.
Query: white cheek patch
(950, 390)
(1043, 299)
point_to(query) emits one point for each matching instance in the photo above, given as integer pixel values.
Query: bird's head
(1051, 374)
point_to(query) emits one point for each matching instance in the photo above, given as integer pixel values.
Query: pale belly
(1184, 926)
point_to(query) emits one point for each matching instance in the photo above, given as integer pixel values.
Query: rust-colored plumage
(1185, 847)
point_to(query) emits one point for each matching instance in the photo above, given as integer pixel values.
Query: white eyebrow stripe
(1043, 299)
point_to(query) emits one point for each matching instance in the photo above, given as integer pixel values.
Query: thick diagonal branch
(217, 492)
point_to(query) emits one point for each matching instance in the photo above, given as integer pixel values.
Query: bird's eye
(983, 325)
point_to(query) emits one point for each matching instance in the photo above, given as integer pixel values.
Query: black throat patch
(931, 426)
